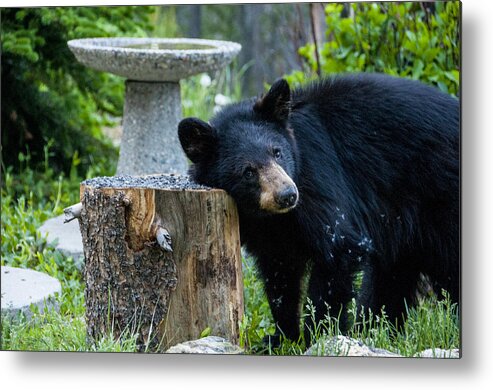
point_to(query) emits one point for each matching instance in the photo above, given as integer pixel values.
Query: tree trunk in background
(195, 26)
(270, 35)
(251, 50)
(134, 282)
(315, 18)
(318, 13)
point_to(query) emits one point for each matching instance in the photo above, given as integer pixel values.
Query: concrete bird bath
(153, 68)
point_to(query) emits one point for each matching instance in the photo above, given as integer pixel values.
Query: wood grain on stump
(170, 288)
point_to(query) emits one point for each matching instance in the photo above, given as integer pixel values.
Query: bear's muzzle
(279, 193)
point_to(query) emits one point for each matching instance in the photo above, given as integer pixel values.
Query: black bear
(355, 172)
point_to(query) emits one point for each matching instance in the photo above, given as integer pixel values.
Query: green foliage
(206, 332)
(165, 23)
(47, 95)
(27, 199)
(407, 39)
(44, 332)
(52, 331)
(202, 95)
(257, 321)
(433, 323)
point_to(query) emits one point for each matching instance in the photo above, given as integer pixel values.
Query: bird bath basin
(153, 68)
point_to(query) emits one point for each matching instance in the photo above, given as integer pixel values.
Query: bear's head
(249, 151)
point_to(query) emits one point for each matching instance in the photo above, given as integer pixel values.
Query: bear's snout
(279, 193)
(287, 198)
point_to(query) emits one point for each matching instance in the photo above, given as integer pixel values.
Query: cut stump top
(158, 182)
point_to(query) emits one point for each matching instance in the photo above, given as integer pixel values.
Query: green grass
(433, 323)
(28, 199)
(52, 331)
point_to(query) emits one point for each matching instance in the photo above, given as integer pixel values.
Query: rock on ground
(22, 288)
(209, 345)
(439, 353)
(67, 235)
(346, 346)
(335, 346)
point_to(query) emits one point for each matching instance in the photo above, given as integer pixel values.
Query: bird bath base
(151, 115)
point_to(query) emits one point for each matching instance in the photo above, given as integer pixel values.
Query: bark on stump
(162, 258)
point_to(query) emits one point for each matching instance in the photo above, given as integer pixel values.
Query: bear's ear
(276, 103)
(197, 139)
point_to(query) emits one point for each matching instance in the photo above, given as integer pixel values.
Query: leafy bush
(47, 95)
(410, 39)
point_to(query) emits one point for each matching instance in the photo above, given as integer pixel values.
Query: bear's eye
(277, 153)
(249, 172)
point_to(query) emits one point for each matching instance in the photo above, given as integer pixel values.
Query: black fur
(376, 163)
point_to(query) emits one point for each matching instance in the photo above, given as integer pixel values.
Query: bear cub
(349, 173)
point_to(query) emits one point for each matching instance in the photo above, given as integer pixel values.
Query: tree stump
(162, 258)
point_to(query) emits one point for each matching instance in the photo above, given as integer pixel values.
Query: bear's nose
(287, 197)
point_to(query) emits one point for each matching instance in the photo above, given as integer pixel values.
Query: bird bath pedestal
(153, 68)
